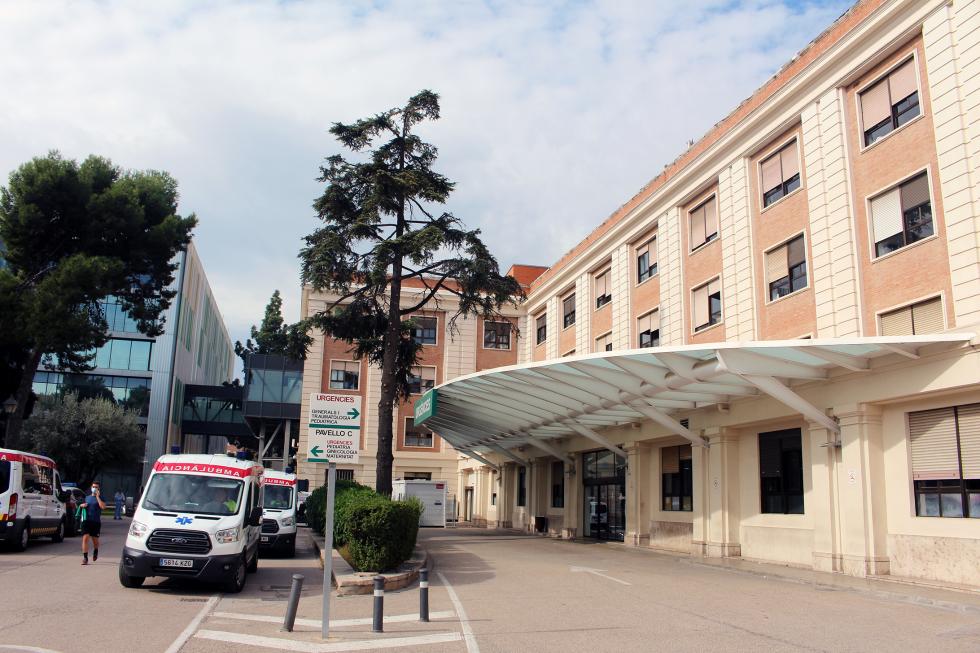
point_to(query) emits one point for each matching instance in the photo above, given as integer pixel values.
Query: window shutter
(654, 321)
(670, 460)
(915, 192)
(927, 317)
(902, 82)
(796, 251)
(653, 250)
(969, 425)
(700, 306)
(684, 452)
(352, 366)
(886, 215)
(790, 161)
(643, 323)
(897, 323)
(710, 217)
(697, 227)
(772, 175)
(714, 287)
(770, 456)
(429, 373)
(642, 249)
(541, 321)
(777, 265)
(932, 434)
(602, 284)
(568, 304)
(875, 105)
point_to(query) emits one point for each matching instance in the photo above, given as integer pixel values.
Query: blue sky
(553, 113)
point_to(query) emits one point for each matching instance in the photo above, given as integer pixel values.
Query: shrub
(316, 504)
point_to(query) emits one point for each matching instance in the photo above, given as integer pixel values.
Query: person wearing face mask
(92, 525)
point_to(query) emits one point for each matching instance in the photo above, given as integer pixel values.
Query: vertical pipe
(328, 550)
(294, 592)
(379, 604)
(423, 594)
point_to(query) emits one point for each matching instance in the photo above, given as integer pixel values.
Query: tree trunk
(15, 421)
(386, 405)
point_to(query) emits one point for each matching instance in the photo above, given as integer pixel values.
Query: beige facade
(823, 224)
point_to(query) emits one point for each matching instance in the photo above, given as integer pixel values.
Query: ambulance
(279, 513)
(32, 502)
(200, 518)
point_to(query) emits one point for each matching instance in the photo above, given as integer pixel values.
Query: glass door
(604, 504)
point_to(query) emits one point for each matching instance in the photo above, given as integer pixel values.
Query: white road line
(471, 645)
(595, 572)
(193, 625)
(336, 647)
(334, 623)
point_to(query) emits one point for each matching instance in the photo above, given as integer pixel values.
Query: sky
(553, 113)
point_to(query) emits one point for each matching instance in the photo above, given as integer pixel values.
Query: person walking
(120, 500)
(92, 524)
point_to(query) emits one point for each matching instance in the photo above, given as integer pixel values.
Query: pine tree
(274, 336)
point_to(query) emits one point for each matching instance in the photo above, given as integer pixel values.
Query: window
(421, 379)
(704, 223)
(890, 103)
(648, 326)
(541, 322)
(603, 289)
(945, 446)
(676, 478)
(416, 436)
(922, 317)
(781, 472)
(646, 260)
(344, 375)
(707, 305)
(558, 484)
(496, 335)
(604, 343)
(424, 329)
(344, 474)
(116, 317)
(493, 498)
(568, 310)
(120, 354)
(786, 268)
(417, 476)
(522, 486)
(780, 174)
(902, 215)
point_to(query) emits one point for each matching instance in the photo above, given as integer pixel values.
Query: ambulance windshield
(201, 495)
(278, 497)
(4, 475)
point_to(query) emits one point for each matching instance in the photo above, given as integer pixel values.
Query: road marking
(193, 625)
(334, 623)
(313, 647)
(595, 572)
(471, 645)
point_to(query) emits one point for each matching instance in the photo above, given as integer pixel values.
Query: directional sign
(334, 428)
(426, 406)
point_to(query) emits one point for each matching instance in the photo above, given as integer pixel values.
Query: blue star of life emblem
(184, 521)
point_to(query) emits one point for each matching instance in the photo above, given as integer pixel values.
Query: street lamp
(9, 407)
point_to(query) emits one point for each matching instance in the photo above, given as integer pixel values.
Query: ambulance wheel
(59, 534)
(130, 581)
(237, 583)
(24, 538)
(253, 566)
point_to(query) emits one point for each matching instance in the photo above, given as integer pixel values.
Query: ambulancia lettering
(279, 481)
(193, 468)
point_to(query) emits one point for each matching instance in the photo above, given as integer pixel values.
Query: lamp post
(9, 407)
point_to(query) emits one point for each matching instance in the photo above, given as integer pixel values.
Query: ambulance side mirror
(63, 497)
(255, 519)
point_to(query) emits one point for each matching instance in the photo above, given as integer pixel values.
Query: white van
(199, 518)
(279, 513)
(31, 499)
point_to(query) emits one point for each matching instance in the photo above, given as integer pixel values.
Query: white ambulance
(32, 503)
(279, 513)
(199, 518)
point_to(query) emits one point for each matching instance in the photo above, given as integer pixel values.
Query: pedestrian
(92, 524)
(120, 500)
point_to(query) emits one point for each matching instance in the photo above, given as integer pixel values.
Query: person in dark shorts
(92, 524)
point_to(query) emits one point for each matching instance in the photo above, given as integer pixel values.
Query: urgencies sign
(334, 428)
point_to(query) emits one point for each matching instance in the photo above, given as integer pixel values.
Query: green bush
(316, 504)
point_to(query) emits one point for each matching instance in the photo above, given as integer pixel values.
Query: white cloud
(554, 114)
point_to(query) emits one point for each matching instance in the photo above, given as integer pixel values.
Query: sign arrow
(353, 413)
(595, 572)
(316, 451)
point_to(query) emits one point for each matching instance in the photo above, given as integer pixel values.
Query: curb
(348, 582)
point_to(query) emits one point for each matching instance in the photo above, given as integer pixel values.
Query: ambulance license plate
(265, 538)
(174, 562)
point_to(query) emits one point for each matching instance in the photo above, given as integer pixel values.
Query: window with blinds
(568, 310)
(890, 103)
(945, 451)
(541, 322)
(915, 319)
(704, 223)
(496, 335)
(344, 375)
(677, 486)
(603, 288)
(646, 260)
(417, 435)
(786, 268)
(424, 329)
(706, 305)
(604, 343)
(902, 215)
(780, 174)
(421, 379)
(781, 471)
(648, 328)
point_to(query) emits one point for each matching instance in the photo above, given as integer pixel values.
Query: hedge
(379, 533)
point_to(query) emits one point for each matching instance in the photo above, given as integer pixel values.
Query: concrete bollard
(379, 604)
(424, 595)
(294, 592)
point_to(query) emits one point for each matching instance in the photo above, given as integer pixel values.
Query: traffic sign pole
(328, 550)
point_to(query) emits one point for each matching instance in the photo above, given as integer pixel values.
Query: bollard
(424, 595)
(379, 604)
(294, 592)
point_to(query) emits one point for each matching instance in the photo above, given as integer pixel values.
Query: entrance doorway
(604, 498)
(468, 504)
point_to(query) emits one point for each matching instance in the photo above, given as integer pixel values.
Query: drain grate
(186, 600)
